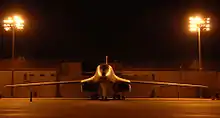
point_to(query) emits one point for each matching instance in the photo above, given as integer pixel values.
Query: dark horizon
(125, 31)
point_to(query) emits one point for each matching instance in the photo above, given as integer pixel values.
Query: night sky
(127, 31)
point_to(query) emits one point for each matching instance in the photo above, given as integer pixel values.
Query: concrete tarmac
(129, 108)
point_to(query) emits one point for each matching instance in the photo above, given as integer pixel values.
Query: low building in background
(25, 71)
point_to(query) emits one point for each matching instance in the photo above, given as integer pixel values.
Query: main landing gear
(118, 97)
(104, 98)
(216, 97)
(96, 97)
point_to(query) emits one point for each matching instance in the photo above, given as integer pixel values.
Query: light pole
(13, 23)
(199, 24)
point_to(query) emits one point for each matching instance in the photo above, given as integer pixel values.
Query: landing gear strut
(104, 98)
(118, 97)
(216, 97)
(123, 97)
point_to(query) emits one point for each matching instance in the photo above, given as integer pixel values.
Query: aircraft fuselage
(103, 79)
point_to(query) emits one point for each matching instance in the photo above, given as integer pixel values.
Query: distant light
(192, 25)
(198, 22)
(197, 18)
(192, 29)
(15, 21)
(18, 19)
(207, 29)
(7, 28)
(207, 25)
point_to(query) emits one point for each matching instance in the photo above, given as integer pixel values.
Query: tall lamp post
(13, 23)
(198, 24)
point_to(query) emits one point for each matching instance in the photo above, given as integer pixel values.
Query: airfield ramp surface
(130, 108)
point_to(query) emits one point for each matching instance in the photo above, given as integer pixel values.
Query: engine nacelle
(90, 87)
(122, 87)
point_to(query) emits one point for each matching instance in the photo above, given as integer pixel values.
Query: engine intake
(90, 87)
(121, 87)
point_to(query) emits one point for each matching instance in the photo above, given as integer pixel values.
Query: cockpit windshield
(104, 68)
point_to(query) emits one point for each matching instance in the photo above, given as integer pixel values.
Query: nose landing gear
(104, 98)
(118, 97)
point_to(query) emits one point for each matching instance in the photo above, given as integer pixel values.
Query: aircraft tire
(116, 96)
(123, 97)
(119, 97)
(213, 98)
(104, 98)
